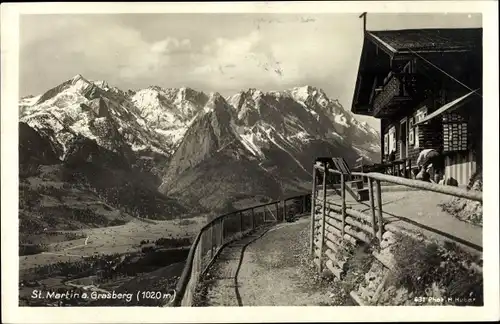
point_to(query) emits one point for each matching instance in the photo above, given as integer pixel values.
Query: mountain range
(183, 150)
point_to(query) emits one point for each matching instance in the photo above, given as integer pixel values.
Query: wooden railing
(224, 229)
(336, 226)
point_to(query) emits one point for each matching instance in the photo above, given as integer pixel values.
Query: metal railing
(224, 229)
(337, 224)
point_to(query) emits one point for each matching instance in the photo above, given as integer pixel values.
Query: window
(392, 139)
(386, 144)
(454, 132)
(411, 132)
(419, 115)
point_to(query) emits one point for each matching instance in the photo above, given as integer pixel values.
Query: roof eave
(381, 44)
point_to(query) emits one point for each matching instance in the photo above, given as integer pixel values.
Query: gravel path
(271, 268)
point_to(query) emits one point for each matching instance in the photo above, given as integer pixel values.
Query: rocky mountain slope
(168, 111)
(202, 151)
(262, 144)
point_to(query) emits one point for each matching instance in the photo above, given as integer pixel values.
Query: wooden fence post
(313, 211)
(380, 220)
(221, 231)
(241, 222)
(277, 211)
(342, 189)
(372, 206)
(199, 255)
(284, 210)
(212, 241)
(323, 221)
(253, 218)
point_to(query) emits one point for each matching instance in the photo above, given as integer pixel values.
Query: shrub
(30, 249)
(117, 222)
(27, 170)
(416, 263)
(70, 236)
(186, 222)
(146, 249)
(419, 265)
(173, 242)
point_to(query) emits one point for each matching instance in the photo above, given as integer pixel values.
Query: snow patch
(340, 119)
(248, 140)
(81, 127)
(302, 136)
(362, 153)
(175, 135)
(101, 84)
(336, 135)
(135, 147)
(141, 122)
(30, 101)
(300, 93)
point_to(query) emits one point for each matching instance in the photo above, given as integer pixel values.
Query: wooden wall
(436, 91)
(460, 166)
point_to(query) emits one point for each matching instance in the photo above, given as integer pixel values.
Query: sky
(209, 52)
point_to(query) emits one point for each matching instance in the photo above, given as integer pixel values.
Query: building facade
(425, 86)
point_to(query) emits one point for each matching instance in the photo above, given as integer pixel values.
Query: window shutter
(386, 144)
(419, 115)
(411, 133)
(392, 139)
(454, 133)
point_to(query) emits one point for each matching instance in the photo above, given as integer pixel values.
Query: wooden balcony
(394, 94)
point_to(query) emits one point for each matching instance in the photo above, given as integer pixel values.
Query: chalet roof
(454, 104)
(403, 44)
(427, 40)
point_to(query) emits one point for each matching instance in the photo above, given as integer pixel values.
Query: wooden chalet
(425, 87)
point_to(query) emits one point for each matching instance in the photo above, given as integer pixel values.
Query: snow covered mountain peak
(77, 78)
(158, 118)
(305, 92)
(101, 84)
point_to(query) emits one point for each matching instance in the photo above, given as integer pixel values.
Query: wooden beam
(323, 218)
(380, 220)
(363, 15)
(313, 208)
(372, 206)
(342, 183)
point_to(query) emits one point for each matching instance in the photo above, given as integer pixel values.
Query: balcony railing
(394, 91)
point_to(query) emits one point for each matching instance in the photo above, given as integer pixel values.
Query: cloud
(247, 59)
(95, 46)
(170, 45)
(270, 58)
(151, 58)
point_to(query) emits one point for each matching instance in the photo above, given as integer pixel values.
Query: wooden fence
(334, 227)
(224, 229)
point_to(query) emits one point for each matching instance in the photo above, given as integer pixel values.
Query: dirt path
(270, 268)
(419, 211)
